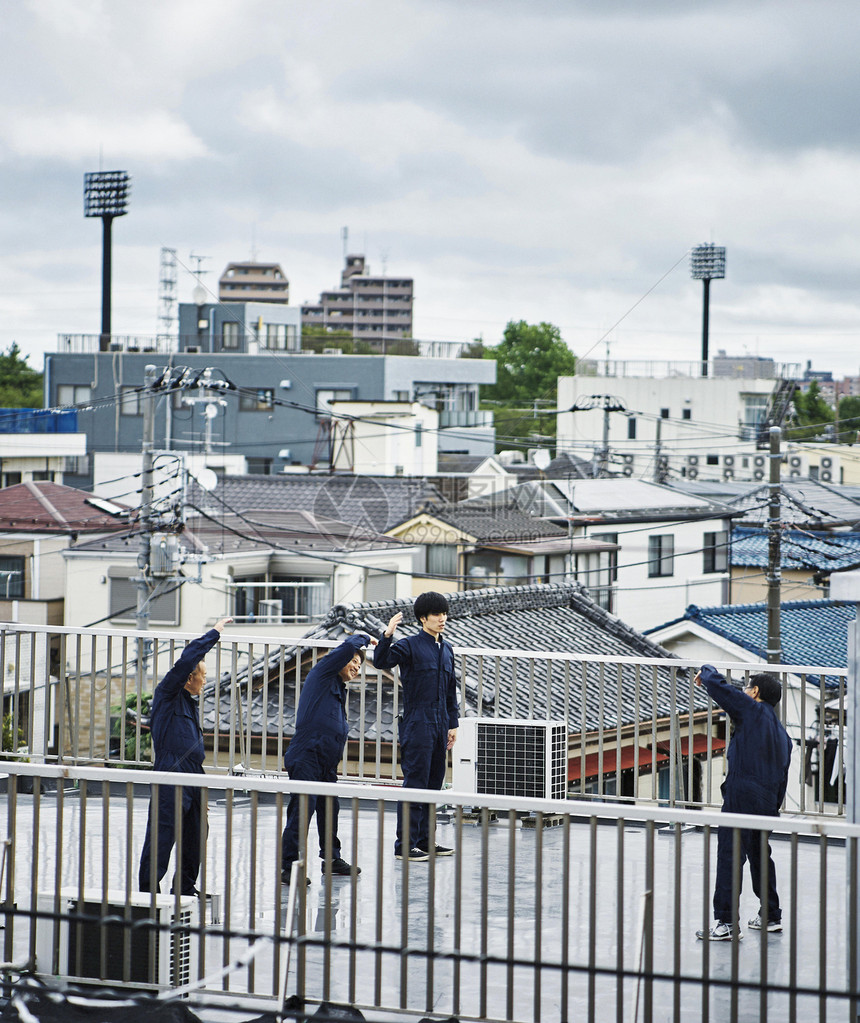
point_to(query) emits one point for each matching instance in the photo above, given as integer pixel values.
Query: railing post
(846, 586)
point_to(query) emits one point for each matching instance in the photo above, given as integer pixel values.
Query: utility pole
(658, 470)
(144, 553)
(586, 403)
(774, 551)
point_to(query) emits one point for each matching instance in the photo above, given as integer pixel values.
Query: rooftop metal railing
(545, 910)
(639, 731)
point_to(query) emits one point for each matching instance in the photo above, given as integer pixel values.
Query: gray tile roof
(559, 618)
(373, 502)
(485, 523)
(805, 503)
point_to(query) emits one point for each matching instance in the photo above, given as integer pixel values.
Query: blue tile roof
(800, 549)
(814, 632)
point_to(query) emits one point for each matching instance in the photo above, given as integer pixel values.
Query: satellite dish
(207, 478)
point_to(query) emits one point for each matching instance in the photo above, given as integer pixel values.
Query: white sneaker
(773, 926)
(719, 932)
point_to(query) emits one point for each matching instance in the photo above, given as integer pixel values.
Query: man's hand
(698, 678)
(219, 625)
(452, 738)
(393, 622)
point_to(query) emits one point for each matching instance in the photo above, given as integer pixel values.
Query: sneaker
(719, 932)
(773, 926)
(440, 850)
(416, 855)
(340, 867)
(285, 877)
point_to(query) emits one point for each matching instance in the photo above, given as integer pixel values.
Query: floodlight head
(106, 193)
(708, 262)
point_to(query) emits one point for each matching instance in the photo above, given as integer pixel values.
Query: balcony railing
(37, 420)
(474, 417)
(545, 910)
(639, 731)
(376, 343)
(749, 369)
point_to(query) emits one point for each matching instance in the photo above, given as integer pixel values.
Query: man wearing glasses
(758, 759)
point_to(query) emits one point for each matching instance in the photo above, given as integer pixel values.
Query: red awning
(647, 757)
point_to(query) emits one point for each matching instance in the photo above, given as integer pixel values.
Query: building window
(419, 435)
(281, 337)
(686, 413)
(712, 459)
(11, 577)
(230, 335)
(664, 413)
(281, 599)
(259, 466)
(129, 401)
(631, 428)
(260, 400)
(163, 608)
(661, 555)
(716, 552)
(73, 394)
(441, 560)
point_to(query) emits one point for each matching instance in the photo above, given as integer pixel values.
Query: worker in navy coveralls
(758, 757)
(317, 748)
(430, 715)
(174, 720)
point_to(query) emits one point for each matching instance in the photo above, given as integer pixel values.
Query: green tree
(20, 385)
(812, 414)
(529, 360)
(849, 420)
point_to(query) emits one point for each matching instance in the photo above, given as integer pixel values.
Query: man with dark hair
(177, 738)
(430, 715)
(758, 757)
(317, 748)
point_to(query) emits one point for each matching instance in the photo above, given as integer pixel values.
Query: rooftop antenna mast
(344, 234)
(167, 292)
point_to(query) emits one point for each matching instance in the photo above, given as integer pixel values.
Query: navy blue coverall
(429, 686)
(178, 742)
(317, 746)
(758, 757)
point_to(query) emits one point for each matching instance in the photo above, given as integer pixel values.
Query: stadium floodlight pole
(707, 263)
(106, 196)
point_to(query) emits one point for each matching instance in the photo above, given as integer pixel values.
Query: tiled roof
(813, 632)
(373, 502)
(505, 524)
(805, 503)
(287, 531)
(801, 549)
(44, 507)
(558, 618)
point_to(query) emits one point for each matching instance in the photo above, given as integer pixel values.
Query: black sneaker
(416, 855)
(340, 867)
(440, 850)
(285, 877)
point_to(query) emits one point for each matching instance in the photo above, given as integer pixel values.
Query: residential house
(671, 545)
(38, 522)
(807, 558)
(470, 546)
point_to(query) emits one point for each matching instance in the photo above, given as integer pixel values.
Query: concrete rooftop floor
(520, 916)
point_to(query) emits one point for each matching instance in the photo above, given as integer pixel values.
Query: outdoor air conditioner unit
(509, 757)
(270, 611)
(75, 946)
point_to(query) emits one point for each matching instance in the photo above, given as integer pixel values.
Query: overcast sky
(519, 159)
